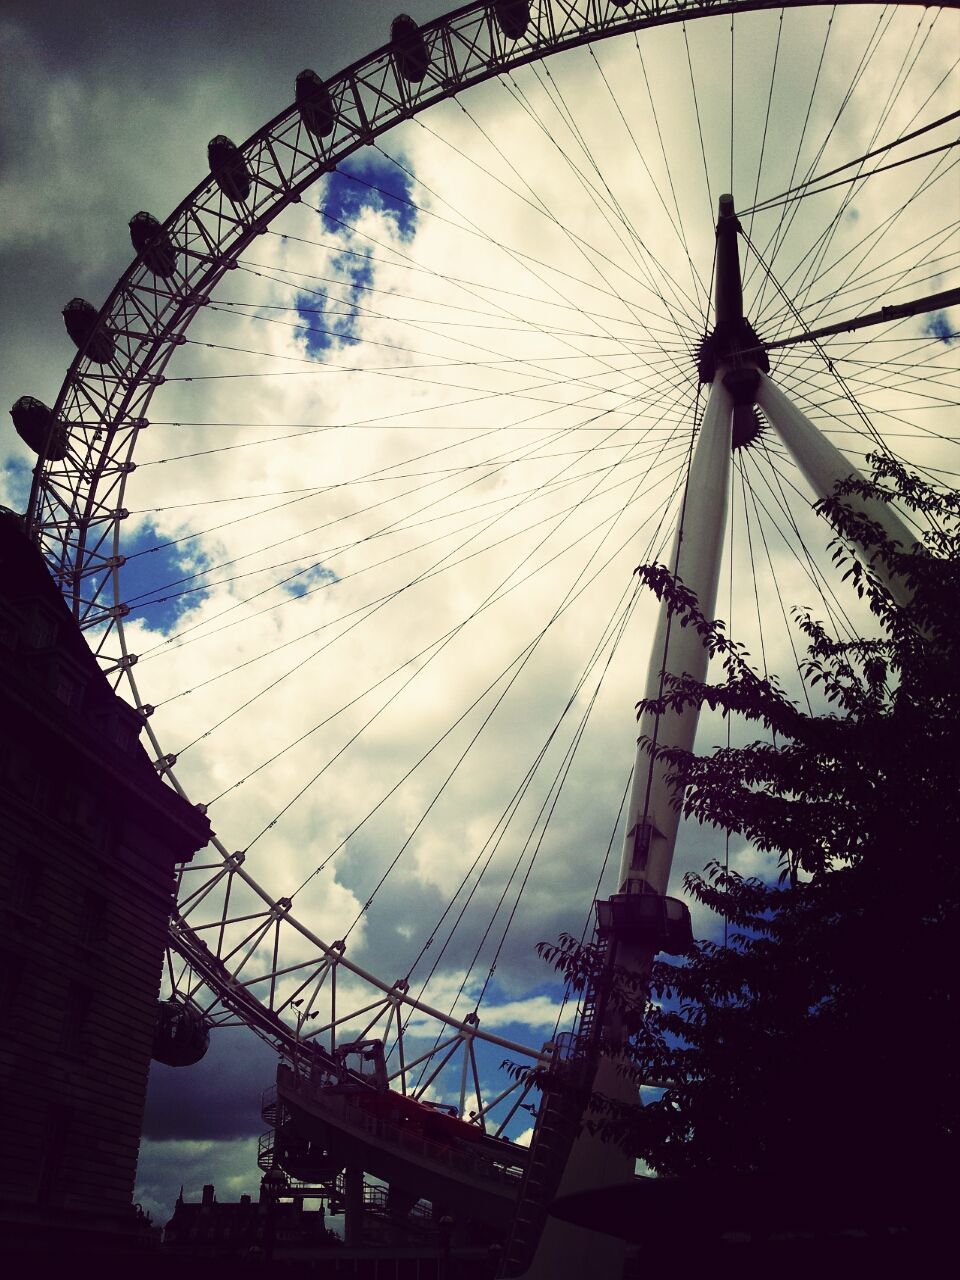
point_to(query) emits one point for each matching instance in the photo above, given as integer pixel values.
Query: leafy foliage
(822, 1036)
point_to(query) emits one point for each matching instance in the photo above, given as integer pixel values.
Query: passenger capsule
(513, 17)
(409, 49)
(229, 168)
(93, 339)
(153, 245)
(32, 420)
(181, 1036)
(315, 103)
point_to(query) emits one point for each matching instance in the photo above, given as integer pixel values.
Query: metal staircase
(565, 1095)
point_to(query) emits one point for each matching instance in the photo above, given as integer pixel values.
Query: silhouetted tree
(822, 1036)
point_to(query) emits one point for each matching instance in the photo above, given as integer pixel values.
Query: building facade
(89, 839)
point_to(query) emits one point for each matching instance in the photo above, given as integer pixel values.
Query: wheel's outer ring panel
(75, 511)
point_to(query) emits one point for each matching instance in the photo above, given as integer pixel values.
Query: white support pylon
(823, 466)
(653, 816)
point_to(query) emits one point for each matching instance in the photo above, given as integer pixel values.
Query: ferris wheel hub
(733, 348)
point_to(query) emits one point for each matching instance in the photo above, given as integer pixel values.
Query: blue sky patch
(331, 319)
(309, 580)
(361, 183)
(156, 576)
(938, 326)
(368, 182)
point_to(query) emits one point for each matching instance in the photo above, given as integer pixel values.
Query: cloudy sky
(384, 520)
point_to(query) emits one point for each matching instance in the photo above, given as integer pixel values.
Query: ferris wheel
(348, 478)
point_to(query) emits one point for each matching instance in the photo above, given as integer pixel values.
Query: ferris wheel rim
(160, 347)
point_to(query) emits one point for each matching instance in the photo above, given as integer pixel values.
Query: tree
(823, 1035)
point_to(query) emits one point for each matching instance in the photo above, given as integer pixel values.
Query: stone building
(88, 842)
(246, 1228)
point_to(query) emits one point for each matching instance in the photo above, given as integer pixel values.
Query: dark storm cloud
(216, 1099)
(108, 108)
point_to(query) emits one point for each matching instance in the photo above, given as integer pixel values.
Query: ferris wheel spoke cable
(797, 386)
(410, 837)
(648, 262)
(537, 203)
(886, 226)
(666, 162)
(621, 616)
(553, 797)
(428, 324)
(804, 557)
(774, 201)
(521, 657)
(613, 629)
(696, 107)
(874, 236)
(517, 257)
(545, 808)
(363, 610)
(477, 289)
(394, 862)
(163, 646)
(871, 429)
(870, 173)
(700, 300)
(469, 286)
(147, 598)
(420, 325)
(352, 286)
(826, 239)
(500, 363)
(774, 578)
(494, 839)
(519, 662)
(777, 237)
(941, 342)
(895, 381)
(502, 590)
(892, 375)
(389, 471)
(605, 207)
(690, 307)
(832, 307)
(854, 282)
(814, 258)
(483, 393)
(869, 434)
